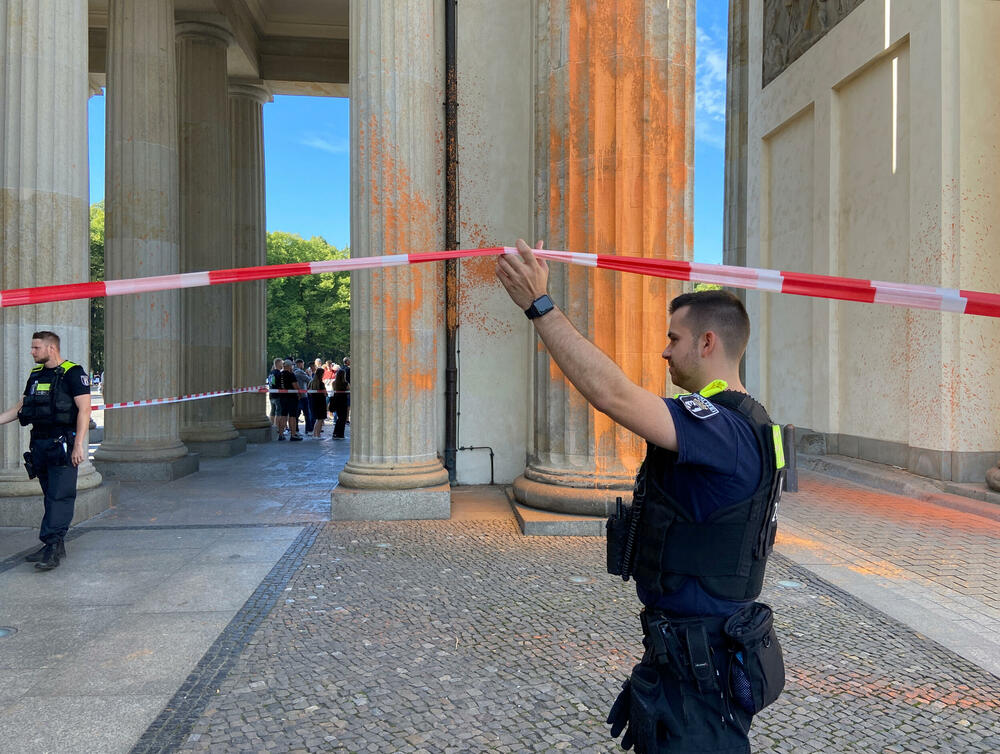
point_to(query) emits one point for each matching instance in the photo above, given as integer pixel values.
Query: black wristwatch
(541, 305)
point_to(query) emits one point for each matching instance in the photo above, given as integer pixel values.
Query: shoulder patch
(85, 380)
(698, 406)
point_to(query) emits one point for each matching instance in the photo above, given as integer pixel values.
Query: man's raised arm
(596, 376)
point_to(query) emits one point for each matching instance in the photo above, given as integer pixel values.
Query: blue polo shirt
(717, 464)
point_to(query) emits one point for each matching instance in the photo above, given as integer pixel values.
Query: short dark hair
(46, 335)
(721, 312)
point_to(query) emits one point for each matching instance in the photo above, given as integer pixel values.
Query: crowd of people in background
(315, 392)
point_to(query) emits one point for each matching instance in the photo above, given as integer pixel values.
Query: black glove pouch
(756, 660)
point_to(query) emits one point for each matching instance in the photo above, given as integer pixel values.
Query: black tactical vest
(49, 403)
(727, 552)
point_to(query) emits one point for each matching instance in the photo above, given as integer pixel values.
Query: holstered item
(618, 527)
(29, 466)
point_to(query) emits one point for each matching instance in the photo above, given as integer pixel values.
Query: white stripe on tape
(737, 277)
(159, 283)
(916, 296)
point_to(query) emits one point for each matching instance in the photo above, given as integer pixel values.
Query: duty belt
(684, 645)
(50, 433)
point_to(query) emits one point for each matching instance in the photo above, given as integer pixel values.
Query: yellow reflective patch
(779, 448)
(713, 387)
(67, 365)
(42, 387)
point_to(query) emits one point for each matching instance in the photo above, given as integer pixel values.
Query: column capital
(205, 30)
(254, 89)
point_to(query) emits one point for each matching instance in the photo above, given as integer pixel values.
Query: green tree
(97, 273)
(308, 315)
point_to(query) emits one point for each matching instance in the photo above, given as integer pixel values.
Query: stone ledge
(148, 471)
(538, 523)
(424, 503)
(28, 510)
(218, 448)
(258, 435)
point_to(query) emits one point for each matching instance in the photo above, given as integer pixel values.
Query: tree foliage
(308, 315)
(97, 273)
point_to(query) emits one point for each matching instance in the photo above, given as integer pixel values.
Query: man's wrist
(540, 307)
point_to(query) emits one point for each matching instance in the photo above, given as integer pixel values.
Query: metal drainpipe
(451, 238)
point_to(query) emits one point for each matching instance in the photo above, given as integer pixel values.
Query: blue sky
(307, 161)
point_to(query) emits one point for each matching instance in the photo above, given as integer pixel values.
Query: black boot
(50, 556)
(39, 554)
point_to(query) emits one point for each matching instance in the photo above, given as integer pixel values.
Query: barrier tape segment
(199, 396)
(796, 283)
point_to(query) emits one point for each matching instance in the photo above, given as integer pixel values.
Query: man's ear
(709, 343)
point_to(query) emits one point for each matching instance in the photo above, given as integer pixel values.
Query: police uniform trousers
(705, 717)
(51, 457)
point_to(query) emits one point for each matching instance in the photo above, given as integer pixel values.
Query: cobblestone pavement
(464, 636)
(912, 556)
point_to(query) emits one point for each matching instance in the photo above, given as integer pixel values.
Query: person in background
(339, 402)
(317, 402)
(303, 378)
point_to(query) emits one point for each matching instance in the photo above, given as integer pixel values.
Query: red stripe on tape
(663, 268)
(439, 256)
(50, 293)
(828, 286)
(986, 304)
(266, 272)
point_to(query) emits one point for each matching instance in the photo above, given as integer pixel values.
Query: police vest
(727, 552)
(49, 403)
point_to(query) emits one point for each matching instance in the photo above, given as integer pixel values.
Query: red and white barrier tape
(797, 283)
(178, 399)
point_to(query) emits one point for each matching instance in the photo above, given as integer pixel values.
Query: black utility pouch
(756, 660)
(29, 465)
(618, 529)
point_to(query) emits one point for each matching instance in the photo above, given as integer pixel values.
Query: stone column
(206, 236)
(734, 223)
(142, 344)
(397, 196)
(246, 124)
(614, 145)
(44, 211)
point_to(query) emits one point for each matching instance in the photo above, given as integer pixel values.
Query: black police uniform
(696, 538)
(49, 407)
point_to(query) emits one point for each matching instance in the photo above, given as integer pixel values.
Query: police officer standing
(701, 524)
(56, 403)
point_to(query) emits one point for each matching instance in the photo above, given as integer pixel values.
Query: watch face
(541, 305)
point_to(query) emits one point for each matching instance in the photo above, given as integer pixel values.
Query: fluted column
(141, 239)
(614, 145)
(734, 225)
(246, 126)
(397, 198)
(43, 206)
(206, 236)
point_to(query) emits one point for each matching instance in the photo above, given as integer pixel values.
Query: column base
(218, 448)
(258, 435)
(993, 478)
(148, 471)
(583, 501)
(538, 523)
(424, 503)
(28, 510)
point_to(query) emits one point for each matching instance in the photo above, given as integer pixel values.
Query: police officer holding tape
(701, 524)
(56, 403)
